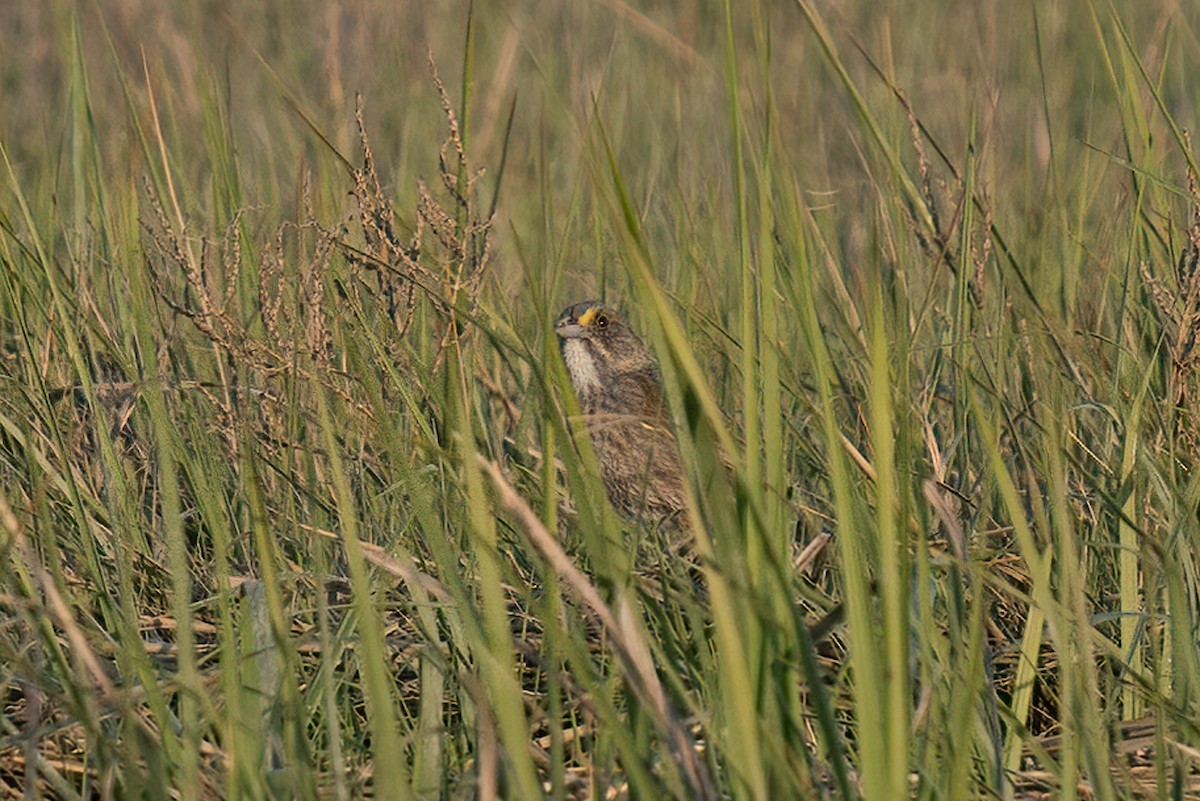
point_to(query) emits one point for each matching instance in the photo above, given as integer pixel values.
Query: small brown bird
(621, 396)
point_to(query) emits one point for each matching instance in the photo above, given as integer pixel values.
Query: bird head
(597, 345)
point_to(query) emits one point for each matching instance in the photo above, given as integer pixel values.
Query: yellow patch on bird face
(589, 315)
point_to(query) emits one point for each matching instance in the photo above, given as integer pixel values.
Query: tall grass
(295, 496)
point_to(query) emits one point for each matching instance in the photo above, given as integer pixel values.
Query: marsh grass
(296, 500)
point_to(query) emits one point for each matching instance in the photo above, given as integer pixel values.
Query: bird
(620, 392)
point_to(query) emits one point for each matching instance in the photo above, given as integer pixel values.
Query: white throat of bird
(581, 365)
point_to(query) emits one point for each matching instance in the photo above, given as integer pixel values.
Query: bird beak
(568, 330)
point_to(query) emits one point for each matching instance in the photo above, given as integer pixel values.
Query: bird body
(620, 394)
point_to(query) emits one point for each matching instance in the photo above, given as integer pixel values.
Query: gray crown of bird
(621, 396)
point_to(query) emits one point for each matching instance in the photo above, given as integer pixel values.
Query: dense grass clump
(296, 502)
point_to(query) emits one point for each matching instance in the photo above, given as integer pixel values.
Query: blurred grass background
(294, 503)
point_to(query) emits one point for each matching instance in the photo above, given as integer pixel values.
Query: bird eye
(602, 320)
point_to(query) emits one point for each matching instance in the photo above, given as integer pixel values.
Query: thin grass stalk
(286, 733)
(80, 139)
(751, 403)
(770, 332)
(787, 712)
(506, 709)
(1131, 61)
(1181, 588)
(895, 689)
(553, 610)
(1130, 578)
(38, 586)
(1041, 598)
(1083, 729)
(755, 638)
(1142, 158)
(326, 683)
(872, 749)
(390, 777)
(966, 711)
(892, 159)
(430, 746)
(167, 447)
(797, 289)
